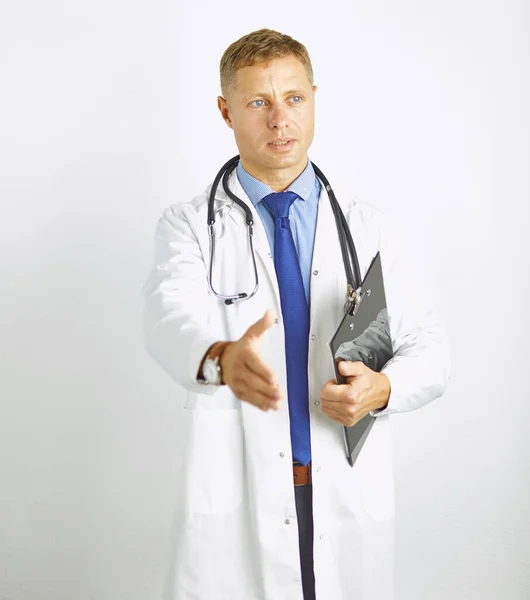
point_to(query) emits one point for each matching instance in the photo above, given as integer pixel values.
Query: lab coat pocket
(214, 461)
(376, 472)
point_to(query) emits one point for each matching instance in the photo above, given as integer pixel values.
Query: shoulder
(362, 210)
(373, 227)
(184, 221)
(364, 217)
(190, 211)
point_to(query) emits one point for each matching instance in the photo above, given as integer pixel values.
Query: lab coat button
(287, 521)
(313, 337)
(315, 272)
(276, 320)
(321, 536)
(282, 454)
(317, 402)
(318, 469)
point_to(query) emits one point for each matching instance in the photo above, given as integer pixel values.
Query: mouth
(281, 145)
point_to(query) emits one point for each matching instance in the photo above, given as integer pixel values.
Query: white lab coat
(234, 535)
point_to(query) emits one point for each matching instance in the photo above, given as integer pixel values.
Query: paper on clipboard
(364, 335)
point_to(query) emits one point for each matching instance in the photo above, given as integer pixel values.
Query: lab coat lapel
(327, 261)
(261, 242)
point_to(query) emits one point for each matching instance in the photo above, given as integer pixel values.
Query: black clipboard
(363, 334)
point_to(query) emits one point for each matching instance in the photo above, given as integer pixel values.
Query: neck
(277, 179)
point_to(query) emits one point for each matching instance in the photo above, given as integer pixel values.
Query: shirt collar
(256, 190)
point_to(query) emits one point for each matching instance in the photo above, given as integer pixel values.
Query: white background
(107, 115)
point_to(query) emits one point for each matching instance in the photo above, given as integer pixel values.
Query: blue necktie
(296, 322)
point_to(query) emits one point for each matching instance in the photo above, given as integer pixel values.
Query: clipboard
(364, 335)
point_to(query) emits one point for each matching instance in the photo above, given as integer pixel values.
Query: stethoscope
(349, 254)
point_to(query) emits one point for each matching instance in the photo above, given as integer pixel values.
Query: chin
(269, 160)
(285, 159)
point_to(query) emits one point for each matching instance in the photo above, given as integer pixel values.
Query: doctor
(266, 504)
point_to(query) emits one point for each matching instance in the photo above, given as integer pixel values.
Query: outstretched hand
(244, 371)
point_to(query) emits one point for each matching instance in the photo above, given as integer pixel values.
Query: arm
(420, 368)
(178, 331)
(175, 318)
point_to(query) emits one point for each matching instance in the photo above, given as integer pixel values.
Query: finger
(257, 399)
(339, 419)
(349, 418)
(350, 368)
(330, 389)
(256, 383)
(340, 393)
(260, 327)
(253, 362)
(339, 411)
(338, 416)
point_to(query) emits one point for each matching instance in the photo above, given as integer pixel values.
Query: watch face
(211, 374)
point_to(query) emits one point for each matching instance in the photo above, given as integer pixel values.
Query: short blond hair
(257, 47)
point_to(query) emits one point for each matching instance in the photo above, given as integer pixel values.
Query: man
(267, 506)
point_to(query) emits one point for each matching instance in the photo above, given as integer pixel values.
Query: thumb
(350, 368)
(260, 327)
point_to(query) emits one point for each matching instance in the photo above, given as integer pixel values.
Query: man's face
(271, 102)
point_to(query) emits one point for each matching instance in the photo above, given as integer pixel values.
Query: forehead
(287, 72)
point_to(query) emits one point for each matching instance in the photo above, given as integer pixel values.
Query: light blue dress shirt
(302, 214)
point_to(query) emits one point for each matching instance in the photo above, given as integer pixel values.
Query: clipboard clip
(353, 300)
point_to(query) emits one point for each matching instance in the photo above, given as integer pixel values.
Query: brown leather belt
(302, 474)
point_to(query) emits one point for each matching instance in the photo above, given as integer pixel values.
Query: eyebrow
(265, 95)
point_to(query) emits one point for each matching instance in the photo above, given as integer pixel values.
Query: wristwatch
(211, 368)
(212, 371)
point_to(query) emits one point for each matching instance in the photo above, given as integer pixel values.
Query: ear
(222, 104)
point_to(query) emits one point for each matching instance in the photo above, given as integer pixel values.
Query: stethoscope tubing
(348, 250)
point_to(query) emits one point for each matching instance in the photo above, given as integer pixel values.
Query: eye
(299, 99)
(258, 105)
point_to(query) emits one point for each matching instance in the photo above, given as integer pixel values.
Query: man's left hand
(364, 390)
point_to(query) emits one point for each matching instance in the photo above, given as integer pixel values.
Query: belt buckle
(304, 471)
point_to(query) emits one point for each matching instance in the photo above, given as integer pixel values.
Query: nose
(278, 116)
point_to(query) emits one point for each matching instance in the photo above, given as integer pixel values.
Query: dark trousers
(304, 510)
